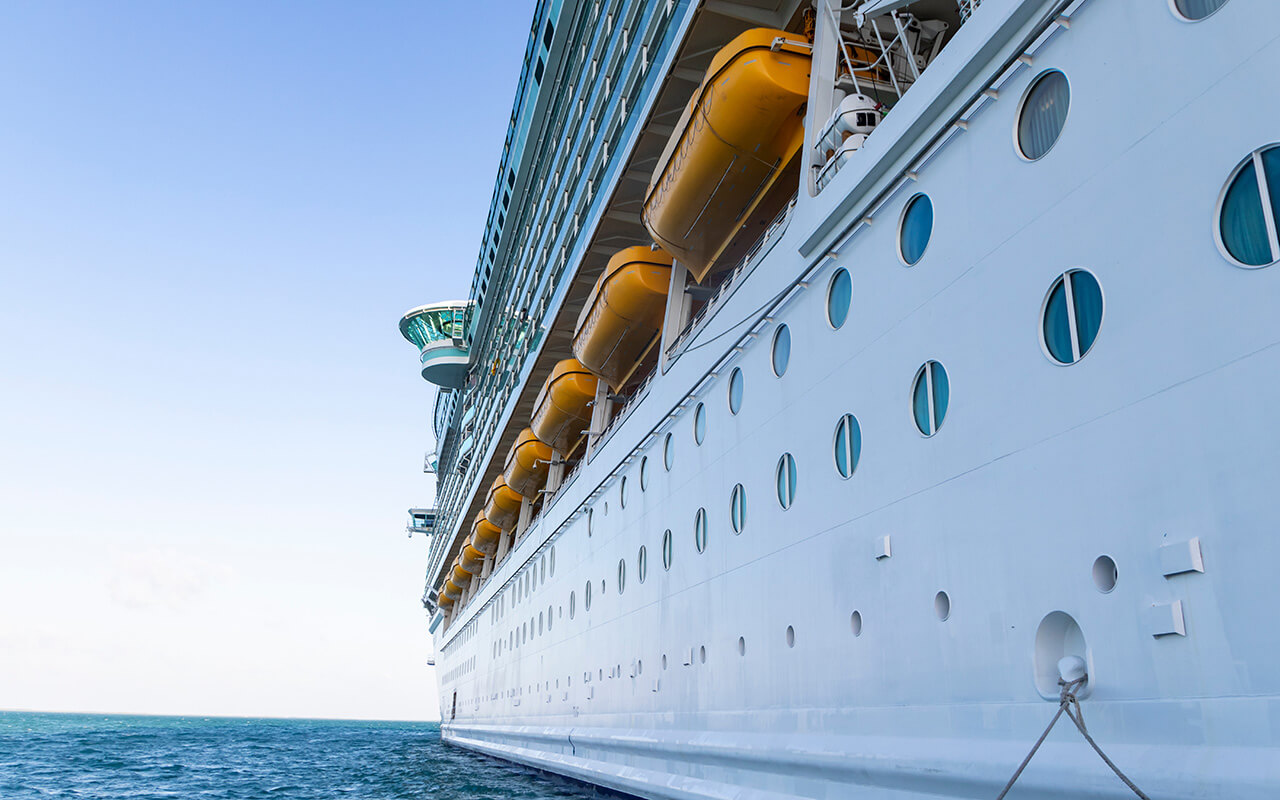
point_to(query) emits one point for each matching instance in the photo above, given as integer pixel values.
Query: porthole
(786, 480)
(930, 395)
(699, 423)
(644, 473)
(1249, 209)
(540, 622)
(666, 549)
(552, 559)
(664, 661)
(702, 654)
(847, 448)
(735, 391)
(942, 606)
(781, 350)
(591, 513)
(543, 568)
(738, 508)
(550, 617)
(573, 606)
(700, 530)
(791, 636)
(1042, 115)
(668, 452)
(915, 229)
(855, 623)
(586, 596)
(622, 492)
(622, 575)
(1195, 10)
(839, 296)
(1105, 574)
(642, 563)
(1071, 316)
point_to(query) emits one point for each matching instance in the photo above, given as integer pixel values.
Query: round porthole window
(1249, 209)
(848, 445)
(573, 605)
(786, 479)
(735, 391)
(839, 296)
(1071, 316)
(591, 521)
(738, 508)
(915, 229)
(700, 530)
(1196, 10)
(699, 423)
(622, 492)
(644, 473)
(781, 350)
(642, 564)
(930, 394)
(1043, 114)
(666, 549)
(622, 575)
(586, 596)
(668, 452)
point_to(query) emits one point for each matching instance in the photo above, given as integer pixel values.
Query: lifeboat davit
(563, 408)
(527, 462)
(501, 509)
(623, 315)
(740, 130)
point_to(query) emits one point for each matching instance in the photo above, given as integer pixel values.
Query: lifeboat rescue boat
(622, 318)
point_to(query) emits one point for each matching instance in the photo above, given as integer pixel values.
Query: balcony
(439, 331)
(421, 520)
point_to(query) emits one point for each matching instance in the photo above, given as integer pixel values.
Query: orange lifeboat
(527, 463)
(500, 511)
(623, 315)
(443, 599)
(451, 590)
(461, 575)
(741, 129)
(563, 408)
(471, 558)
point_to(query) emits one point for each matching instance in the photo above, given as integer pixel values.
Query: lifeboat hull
(503, 506)
(471, 559)
(461, 576)
(451, 590)
(485, 534)
(740, 130)
(563, 408)
(527, 463)
(623, 316)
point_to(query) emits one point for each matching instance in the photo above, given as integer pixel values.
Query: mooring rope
(1066, 704)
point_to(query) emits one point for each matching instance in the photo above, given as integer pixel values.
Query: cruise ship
(870, 399)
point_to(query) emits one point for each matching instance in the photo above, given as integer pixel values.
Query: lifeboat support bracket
(677, 312)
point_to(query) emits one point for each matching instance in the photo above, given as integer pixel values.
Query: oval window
(699, 423)
(573, 605)
(1043, 114)
(666, 549)
(1071, 317)
(642, 563)
(591, 517)
(644, 473)
(622, 492)
(738, 508)
(839, 296)
(735, 391)
(586, 596)
(915, 229)
(1249, 208)
(848, 445)
(781, 350)
(668, 452)
(786, 479)
(1196, 10)
(700, 530)
(622, 575)
(930, 394)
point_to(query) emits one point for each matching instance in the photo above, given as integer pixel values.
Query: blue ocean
(99, 757)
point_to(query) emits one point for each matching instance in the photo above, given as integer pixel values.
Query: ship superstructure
(844, 387)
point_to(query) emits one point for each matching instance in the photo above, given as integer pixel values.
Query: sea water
(109, 757)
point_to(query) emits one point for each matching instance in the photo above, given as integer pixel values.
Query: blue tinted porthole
(1071, 317)
(915, 229)
(699, 423)
(785, 476)
(930, 395)
(1042, 115)
(839, 297)
(735, 391)
(738, 508)
(781, 350)
(847, 448)
(1195, 10)
(1248, 210)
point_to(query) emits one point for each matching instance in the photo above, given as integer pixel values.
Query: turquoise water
(98, 757)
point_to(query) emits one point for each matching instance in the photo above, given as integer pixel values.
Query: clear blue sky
(211, 218)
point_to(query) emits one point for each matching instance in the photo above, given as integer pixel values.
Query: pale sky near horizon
(211, 218)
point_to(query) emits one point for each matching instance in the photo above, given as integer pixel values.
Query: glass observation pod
(439, 331)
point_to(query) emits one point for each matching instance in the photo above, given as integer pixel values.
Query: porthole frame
(668, 452)
(902, 220)
(773, 350)
(831, 285)
(668, 547)
(622, 575)
(644, 474)
(1268, 213)
(699, 424)
(788, 462)
(642, 564)
(1178, 15)
(1022, 105)
(738, 508)
(622, 492)
(933, 417)
(700, 530)
(854, 458)
(1064, 277)
(735, 377)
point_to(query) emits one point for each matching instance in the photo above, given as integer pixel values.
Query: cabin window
(591, 514)
(839, 296)
(699, 423)
(1248, 210)
(700, 530)
(622, 492)
(1042, 114)
(738, 508)
(930, 394)
(1071, 316)
(666, 549)
(915, 229)
(781, 350)
(668, 452)
(735, 391)
(642, 563)
(586, 596)
(622, 575)
(786, 479)
(573, 605)
(848, 445)
(1195, 10)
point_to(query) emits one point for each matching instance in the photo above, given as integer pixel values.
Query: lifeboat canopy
(622, 318)
(562, 410)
